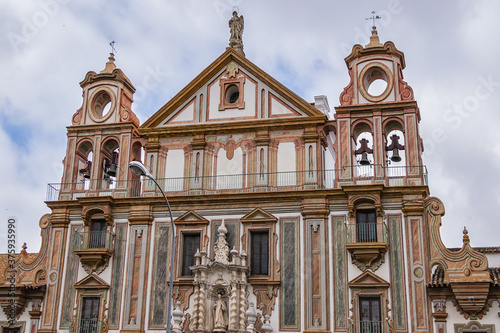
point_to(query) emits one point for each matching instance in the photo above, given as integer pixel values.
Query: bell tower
(102, 137)
(377, 119)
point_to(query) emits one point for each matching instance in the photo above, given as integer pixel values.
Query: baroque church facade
(289, 216)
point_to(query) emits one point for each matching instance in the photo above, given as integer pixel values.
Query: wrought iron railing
(366, 233)
(91, 325)
(94, 240)
(369, 326)
(254, 182)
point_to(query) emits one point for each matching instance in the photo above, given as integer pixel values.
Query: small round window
(232, 94)
(102, 105)
(376, 82)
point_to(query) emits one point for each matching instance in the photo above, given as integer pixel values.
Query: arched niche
(84, 157)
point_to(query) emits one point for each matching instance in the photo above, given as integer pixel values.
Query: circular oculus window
(375, 82)
(101, 106)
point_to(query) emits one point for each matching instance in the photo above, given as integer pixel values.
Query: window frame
(260, 220)
(185, 265)
(253, 265)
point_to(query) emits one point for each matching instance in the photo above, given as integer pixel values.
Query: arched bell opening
(363, 150)
(395, 148)
(110, 170)
(134, 184)
(84, 157)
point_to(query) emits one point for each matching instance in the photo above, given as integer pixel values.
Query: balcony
(367, 243)
(91, 325)
(243, 183)
(371, 326)
(94, 249)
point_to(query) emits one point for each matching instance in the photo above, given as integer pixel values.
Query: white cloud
(448, 47)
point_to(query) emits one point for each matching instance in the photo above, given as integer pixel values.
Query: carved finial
(236, 24)
(374, 41)
(23, 251)
(466, 236)
(221, 247)
(110, 65)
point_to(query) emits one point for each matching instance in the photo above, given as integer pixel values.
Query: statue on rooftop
(236, 24)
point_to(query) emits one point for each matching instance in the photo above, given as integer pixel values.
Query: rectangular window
(97, 235)
(11, 330)
(190, 246)
(366, 226)
(259, 252)
(369, 315)
(90, 315)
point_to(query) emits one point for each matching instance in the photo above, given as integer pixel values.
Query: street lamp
(139, 169)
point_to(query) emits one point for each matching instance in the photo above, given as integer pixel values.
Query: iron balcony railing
(91, 325)
(94, 240)
(366, 233)
(254, 182)
(372, 326)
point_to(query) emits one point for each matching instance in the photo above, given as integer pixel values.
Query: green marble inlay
(160, 276)
(340, 281)
(397, 273)
(116, 282)
(289, 265)
(71, 276)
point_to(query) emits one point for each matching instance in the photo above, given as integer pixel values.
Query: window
(11, 330)
(259, 252)
(369, 315)
(366, 226)
(190, 246)
(97, 235)
(90, 315)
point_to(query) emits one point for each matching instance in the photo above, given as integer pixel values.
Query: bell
(395, 155)
(86, 171)
(364, 159)
(112, 170)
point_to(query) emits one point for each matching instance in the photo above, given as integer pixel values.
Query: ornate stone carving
(221, 248)
(466, 270)
(77, 117)
(236, 25)
(266, 297)
(220, 289)
(348, 93)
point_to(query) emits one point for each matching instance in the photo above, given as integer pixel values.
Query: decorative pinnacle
(236, 25)
(374, 41)
(466, 236)
(110, 65)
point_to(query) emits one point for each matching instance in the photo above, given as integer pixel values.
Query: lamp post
(139, 169)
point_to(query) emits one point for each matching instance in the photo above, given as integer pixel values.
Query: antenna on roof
(373, 18)
(112, 44)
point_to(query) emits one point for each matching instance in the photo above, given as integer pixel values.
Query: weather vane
(112, 44)
(373, 18)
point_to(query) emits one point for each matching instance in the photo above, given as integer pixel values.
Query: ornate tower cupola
(107, 97)
(377, 116)
(101, 138)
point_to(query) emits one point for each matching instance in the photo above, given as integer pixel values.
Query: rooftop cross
(112, 44)
(373, 18)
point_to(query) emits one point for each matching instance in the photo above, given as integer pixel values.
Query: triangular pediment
(368, 280)
(91, 282)
(191, 217)
(231, 89)
(258, 215)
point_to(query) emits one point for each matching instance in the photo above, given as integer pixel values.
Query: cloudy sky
(451, 50)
